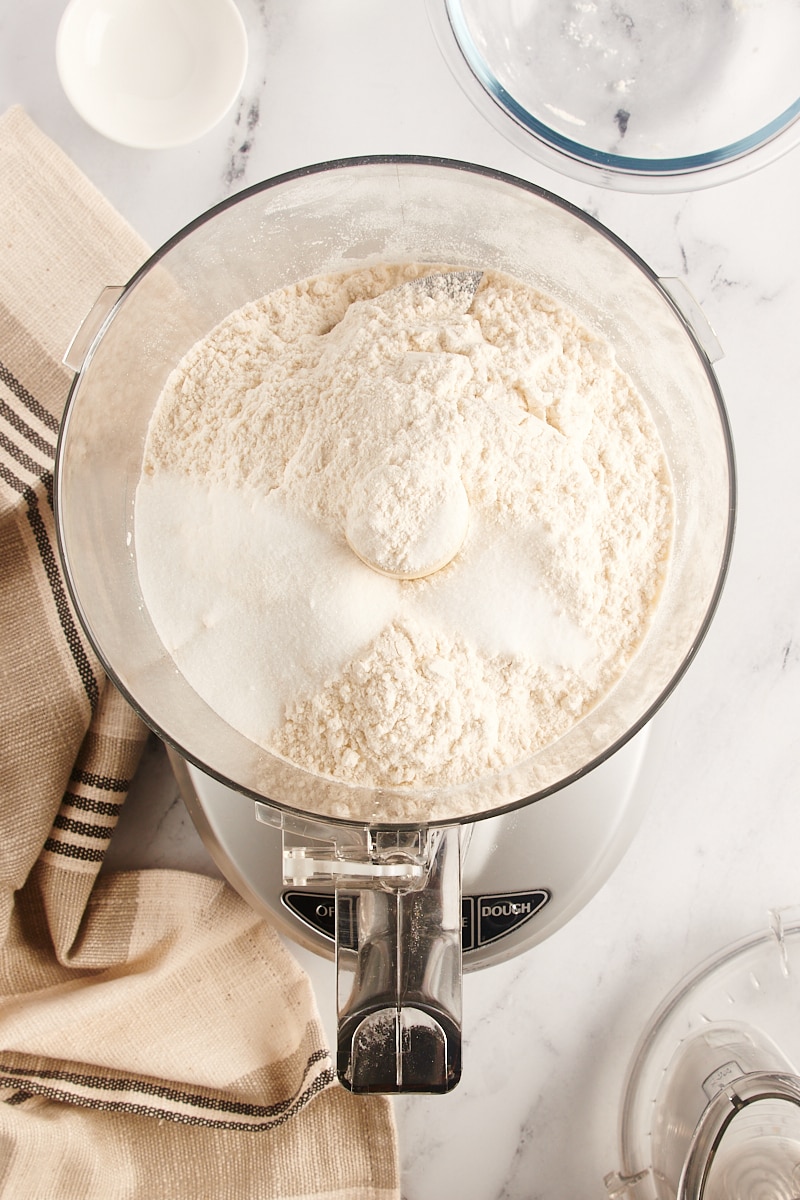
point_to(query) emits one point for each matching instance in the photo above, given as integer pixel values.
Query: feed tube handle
(398, 961)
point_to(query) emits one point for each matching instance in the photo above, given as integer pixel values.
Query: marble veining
(547, 1036)
(247, 119)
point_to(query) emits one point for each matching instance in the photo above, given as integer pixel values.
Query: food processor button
(500, 914)
(467, 923)
(317, 909)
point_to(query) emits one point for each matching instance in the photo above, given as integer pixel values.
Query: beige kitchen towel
(156, 1038)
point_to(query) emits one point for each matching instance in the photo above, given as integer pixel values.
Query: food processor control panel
(484, 918)
(524, 874)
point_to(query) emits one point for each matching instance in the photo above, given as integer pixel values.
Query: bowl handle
(91, 326)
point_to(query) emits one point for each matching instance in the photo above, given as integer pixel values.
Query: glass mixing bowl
(652, 95)
(342, 215)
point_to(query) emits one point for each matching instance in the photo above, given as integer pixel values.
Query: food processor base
(525, 873)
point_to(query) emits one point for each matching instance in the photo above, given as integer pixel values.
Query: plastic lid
(646, 95)
(752, 984)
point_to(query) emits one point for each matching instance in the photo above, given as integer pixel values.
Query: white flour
(491, 433)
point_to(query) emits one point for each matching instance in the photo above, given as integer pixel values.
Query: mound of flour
(266, 441)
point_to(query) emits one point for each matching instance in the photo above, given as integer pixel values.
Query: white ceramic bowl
(151, 73)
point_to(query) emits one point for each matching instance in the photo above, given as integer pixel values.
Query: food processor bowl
(327, 218)
(346, 215)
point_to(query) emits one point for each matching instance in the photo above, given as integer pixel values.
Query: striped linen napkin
(156, 1038)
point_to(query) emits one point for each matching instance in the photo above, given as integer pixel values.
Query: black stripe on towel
(53, 574)
(218, 1112)
(24, 396)
(104, 783)
(22, 427)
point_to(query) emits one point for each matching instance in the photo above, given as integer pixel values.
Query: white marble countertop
(548, 1035)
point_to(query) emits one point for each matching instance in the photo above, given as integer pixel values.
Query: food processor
(478, 871)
